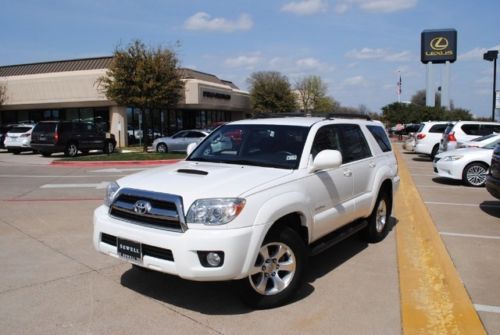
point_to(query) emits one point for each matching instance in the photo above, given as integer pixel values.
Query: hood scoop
(193, 171)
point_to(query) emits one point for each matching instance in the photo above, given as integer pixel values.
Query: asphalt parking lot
(53, 282)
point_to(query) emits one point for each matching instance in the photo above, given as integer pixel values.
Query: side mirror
(326, 159)
(190, 148)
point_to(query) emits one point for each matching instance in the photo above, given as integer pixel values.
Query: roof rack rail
(273, 115)
(331, 116)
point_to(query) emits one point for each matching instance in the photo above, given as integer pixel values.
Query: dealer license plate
(129, 250)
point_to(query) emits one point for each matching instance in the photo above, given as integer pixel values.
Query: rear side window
(353, 143)
(438, 128)
(45, 127)
(381, 137)
(487, 129)
(471, 129)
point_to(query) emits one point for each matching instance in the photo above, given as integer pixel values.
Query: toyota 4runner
(252, 201)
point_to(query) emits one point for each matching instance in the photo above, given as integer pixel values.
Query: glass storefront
(167, 122)
(98, 115)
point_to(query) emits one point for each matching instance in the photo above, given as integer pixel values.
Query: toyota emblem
(142, 207)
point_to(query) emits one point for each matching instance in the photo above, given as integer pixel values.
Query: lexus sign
(438, 46)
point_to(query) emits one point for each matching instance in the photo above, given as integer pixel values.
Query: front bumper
(238, 246)
(448, 169)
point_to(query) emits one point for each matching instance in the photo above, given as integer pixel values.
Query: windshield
(274, 146)
(19, 130)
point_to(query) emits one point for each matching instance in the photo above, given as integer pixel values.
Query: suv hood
(201, 180)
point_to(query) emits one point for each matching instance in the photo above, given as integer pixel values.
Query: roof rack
(273, 115)
(331, 116)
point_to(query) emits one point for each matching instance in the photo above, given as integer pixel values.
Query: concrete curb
(114, 163)
(433, 297)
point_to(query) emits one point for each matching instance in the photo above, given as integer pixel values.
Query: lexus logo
(142, 207)
(439, 43)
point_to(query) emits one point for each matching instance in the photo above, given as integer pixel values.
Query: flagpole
(399, 87)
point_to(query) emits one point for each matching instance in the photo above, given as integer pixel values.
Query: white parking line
(455, 204)
(486, 308)
(470, 235)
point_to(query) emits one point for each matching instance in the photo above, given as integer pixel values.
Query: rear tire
(278, 270)
(378, 221)
(109, 147)
(475, 174)
(162, 147)
(434, 151)
(71, 150)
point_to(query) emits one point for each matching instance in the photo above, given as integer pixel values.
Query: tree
(325, 105)
(311, 90)
(419, 98)
(270, 92)
(145, 78)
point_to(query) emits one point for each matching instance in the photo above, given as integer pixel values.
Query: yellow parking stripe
(433, 298)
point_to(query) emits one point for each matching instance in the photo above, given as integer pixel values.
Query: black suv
(70, 137)
(493, 179)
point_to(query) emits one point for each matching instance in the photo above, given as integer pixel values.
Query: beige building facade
(69, 90)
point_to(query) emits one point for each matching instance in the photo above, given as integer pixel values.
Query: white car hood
(485, 154)
(220, 180)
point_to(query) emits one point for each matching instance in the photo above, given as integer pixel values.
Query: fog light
(213, 259)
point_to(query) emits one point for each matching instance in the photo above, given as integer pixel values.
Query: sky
(358, 47)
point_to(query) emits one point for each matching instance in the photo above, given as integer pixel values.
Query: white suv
(463, 131)
(252, 201)
(428, 137)
(19, 138)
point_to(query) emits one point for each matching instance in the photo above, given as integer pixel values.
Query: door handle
(347, 173)
(372, 164)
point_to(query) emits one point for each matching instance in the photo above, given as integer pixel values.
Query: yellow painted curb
(433, 297)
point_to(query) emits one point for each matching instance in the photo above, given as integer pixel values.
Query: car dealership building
(68, 90)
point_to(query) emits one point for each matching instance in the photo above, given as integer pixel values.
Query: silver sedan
(179, 141)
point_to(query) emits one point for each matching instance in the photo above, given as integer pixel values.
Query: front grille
(158, 210)
(147, 250)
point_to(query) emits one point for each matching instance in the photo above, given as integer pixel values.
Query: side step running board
(337, 236)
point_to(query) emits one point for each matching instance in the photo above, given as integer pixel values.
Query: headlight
(215, 211)
(111, 190)
(452, 158)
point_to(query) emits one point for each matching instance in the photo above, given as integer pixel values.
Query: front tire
(109, 147)
(378, 221)
(278, 270)
(475, 174)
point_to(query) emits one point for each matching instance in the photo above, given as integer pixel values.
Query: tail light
(56, 136)
(25, 135)
(420, 136)
(451, 137)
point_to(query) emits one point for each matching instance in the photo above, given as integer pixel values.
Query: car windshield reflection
(274, 146)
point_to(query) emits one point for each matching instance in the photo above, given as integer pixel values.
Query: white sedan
(179, 141)
(470, 165)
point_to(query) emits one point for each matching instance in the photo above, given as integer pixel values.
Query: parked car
(179, 141)
(479, 142)
(493, 178)
(470, 165)
(253, 211)
(428, 137)
(69, 137)
(4, 129)
(462, 131)
(18, 138)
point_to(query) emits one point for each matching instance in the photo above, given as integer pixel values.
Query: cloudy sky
(358, 47)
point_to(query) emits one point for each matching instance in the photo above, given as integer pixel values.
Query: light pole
(492, 55)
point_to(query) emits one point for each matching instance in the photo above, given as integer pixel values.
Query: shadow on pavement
(447, 181)
(221, 298)
(491, 208)
(422, 158)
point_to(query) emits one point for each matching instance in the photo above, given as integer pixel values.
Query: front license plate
(129, 250)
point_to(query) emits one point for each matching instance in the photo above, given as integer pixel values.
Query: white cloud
(376, 6)
(476, 53)
(310, 63)
(355, 81)
(203, 21)
(305, 7)
(382, 54)
(246, 61)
